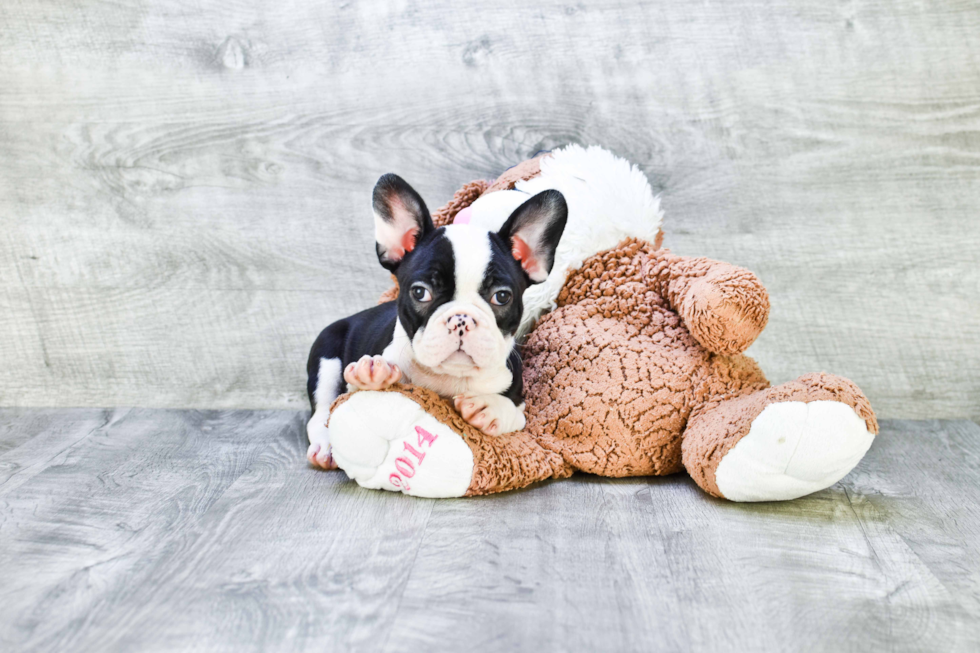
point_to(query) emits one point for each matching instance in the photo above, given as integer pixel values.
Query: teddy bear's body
(638, 370)
(629, 370)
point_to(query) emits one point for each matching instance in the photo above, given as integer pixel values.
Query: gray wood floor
(140, 529)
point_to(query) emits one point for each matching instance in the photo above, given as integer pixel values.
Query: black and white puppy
(452, 327)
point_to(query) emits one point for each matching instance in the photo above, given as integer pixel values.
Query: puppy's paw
(372, 373)
(492, 414)
(320, 453)
(321, 456)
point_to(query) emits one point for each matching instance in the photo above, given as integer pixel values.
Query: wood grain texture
(140, 529)
(184, 190)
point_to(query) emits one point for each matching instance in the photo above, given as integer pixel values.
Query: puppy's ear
(400, 219)
(533, 231)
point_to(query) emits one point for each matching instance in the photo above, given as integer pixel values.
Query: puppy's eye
(501, 298)
(420, 293)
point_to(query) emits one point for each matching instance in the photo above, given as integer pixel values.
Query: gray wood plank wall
(184, 188)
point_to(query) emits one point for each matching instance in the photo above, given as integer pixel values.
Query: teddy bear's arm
(725, 307)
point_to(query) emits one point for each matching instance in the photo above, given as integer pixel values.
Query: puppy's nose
(460, 323)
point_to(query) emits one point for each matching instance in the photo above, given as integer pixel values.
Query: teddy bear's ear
(533, 231)
(401, 219)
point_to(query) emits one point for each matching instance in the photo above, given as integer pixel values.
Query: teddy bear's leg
(386, 441)
(779, 443)
(409, 440)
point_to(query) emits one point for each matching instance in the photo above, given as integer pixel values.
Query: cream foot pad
(793, 449)
(384, 440)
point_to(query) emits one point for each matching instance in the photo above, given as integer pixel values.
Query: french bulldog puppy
(452, 327)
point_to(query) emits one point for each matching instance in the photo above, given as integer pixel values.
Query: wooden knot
(231, 54)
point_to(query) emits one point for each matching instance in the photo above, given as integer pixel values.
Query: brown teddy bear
(633, 367)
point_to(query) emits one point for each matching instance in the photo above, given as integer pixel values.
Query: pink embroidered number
(404, 464)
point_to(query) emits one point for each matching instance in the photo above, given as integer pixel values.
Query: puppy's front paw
(492, 414)
(372, 373)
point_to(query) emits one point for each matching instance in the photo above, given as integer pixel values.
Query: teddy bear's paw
(793, 449)
(385, 441)
(721, 317)
(492, 414)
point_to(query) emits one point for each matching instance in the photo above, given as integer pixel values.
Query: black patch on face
(433, 264)
(503, 272)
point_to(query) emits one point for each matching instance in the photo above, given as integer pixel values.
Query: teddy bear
(633, 366)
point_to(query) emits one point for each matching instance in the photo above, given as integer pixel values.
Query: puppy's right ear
(533, 230)
(400, 220)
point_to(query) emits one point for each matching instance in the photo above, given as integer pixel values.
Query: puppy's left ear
(533, 231)
(400, 220)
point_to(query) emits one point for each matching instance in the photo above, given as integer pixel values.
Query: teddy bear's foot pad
(384, 440)
(793, 449)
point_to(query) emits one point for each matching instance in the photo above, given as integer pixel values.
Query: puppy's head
(460, 287)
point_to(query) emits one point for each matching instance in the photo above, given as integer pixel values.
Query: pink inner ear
(408, 241)
(402, 219)
(521, 251)
(398, 252)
